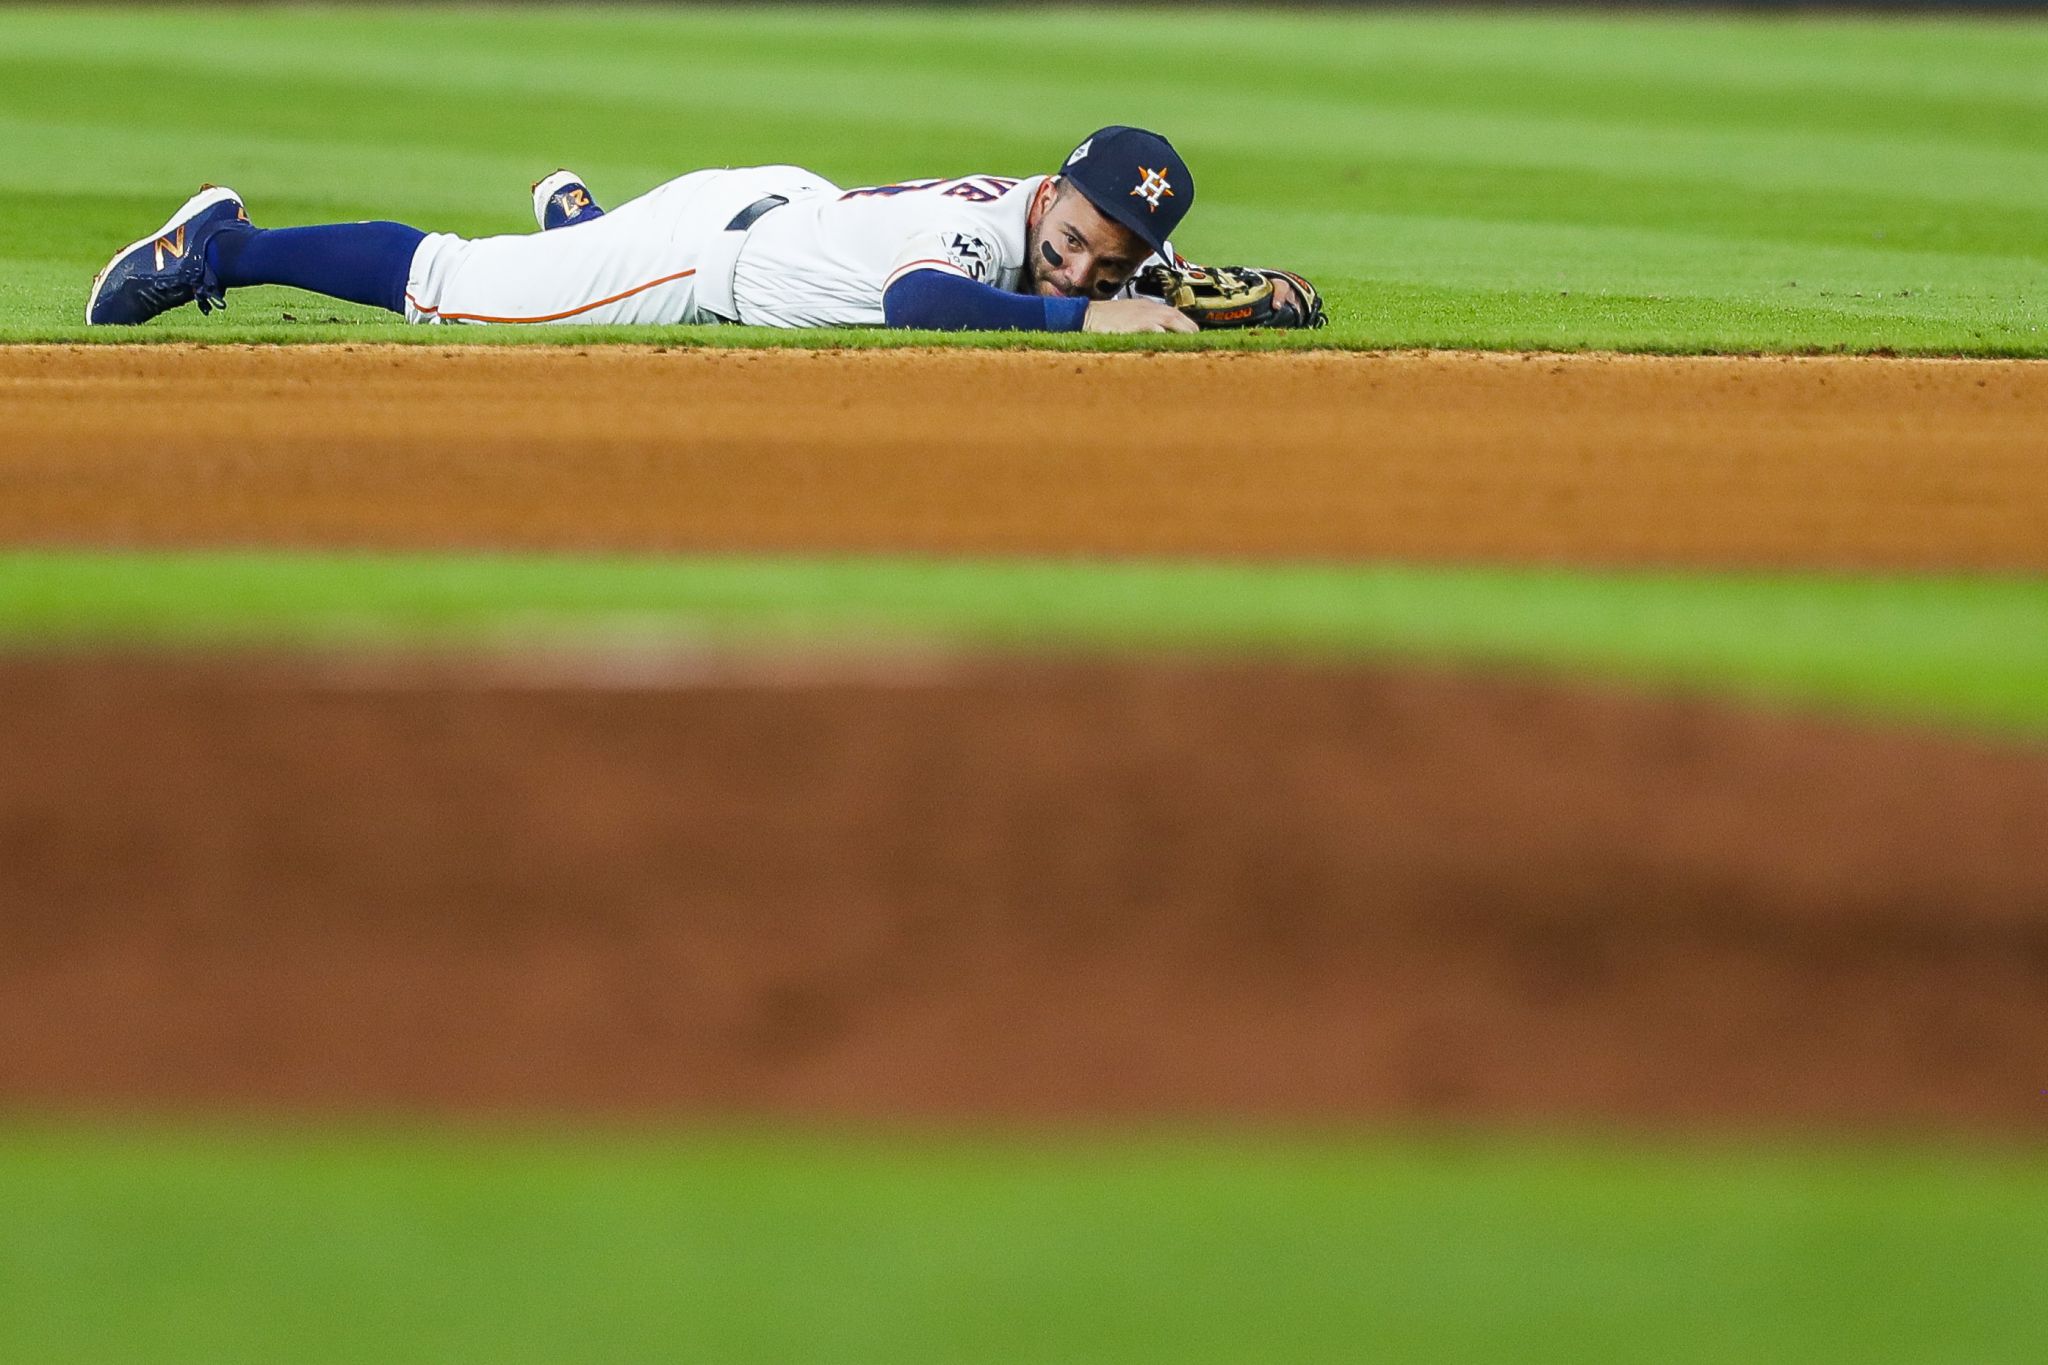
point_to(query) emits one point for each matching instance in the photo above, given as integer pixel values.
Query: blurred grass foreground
(209, 1245)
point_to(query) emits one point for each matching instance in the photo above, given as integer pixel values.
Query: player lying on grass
(775, 246)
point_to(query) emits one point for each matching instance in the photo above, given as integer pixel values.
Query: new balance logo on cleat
(562, 200)
(174, 244)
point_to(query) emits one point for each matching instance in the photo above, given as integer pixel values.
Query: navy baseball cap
(1136, 178)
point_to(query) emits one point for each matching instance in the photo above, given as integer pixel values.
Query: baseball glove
(1232, 295)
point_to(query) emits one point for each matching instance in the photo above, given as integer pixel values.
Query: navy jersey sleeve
(942, 301)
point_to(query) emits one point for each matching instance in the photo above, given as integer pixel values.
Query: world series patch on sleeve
(1234, 295)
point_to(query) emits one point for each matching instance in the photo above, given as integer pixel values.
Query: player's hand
(1135, 315)
(1285, 295)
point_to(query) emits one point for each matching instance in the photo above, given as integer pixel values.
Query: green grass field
(189, 1245)
(1687, 184)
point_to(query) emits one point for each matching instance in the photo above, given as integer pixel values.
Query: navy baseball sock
(360, 262)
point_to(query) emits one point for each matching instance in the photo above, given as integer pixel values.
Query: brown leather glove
(1233, 295)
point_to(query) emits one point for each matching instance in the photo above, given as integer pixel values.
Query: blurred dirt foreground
(1045, 890)
(661, 881)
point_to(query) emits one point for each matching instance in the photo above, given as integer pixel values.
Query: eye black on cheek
(1052, 257)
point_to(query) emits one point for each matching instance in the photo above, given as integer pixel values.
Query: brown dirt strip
(1848, 463)
(949, 888)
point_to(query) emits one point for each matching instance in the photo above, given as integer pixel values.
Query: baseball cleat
(168, 269)
(561, 200)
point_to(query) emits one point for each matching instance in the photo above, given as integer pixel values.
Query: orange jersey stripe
(552, 317)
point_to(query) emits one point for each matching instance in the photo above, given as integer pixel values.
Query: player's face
(1077, 252)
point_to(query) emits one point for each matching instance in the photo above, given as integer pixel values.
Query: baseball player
(1236, 296)
(769, 244)
(775, 246)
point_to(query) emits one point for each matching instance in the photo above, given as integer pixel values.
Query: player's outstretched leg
(209, 246)
(563, 200)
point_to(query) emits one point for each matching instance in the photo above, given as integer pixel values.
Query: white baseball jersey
(823, 259)
(826, 260)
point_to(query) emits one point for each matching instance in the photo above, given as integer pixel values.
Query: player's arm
(945, 279)
(943, 301)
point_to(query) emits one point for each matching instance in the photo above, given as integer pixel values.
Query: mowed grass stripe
(1720, 183)
(1564, 126)
(1980, 81)
(1888, 226)
(1984, 144)
(228, 1244)
(1971, 651)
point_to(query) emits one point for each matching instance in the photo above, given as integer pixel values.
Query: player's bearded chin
(1045, 260)
(1041, 270)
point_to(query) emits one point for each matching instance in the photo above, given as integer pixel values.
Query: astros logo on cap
(1152, 187)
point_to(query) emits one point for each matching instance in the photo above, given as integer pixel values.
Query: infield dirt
(1844, 463)
(926, 885)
